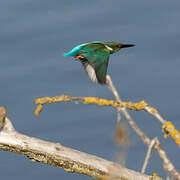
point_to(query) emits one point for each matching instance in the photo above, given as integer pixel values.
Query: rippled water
(33, 37)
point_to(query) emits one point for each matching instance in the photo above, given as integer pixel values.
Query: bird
(94, 57)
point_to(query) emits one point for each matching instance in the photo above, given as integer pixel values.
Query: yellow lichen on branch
(38, 109)
(91, 100)
(54, 99)
(169, 129)
(48, 100)
(104, 102)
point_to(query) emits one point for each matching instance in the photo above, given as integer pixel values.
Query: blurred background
(33, 37)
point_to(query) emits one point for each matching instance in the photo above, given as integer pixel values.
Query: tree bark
(58, 155)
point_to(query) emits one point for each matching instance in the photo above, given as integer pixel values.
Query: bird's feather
(97, 56)
(89, 70)
(75, 50)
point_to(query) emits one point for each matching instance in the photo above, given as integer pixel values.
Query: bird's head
(116, 46)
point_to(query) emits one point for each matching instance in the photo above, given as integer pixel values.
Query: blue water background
(33, 37)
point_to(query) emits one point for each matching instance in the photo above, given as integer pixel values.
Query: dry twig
(148, 155)
(168, 166)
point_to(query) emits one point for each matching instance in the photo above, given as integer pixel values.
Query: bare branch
(116, 95)
(168, 166)
(58, 155)
(148, 155)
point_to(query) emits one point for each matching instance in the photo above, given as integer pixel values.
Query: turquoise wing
(97, 56)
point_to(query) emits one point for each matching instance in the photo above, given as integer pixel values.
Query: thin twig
(155, 114)
(125, 113)
(118, 115)
(168, 166)
(116, 95)
(167, 128)
(148, 155)
(113, 89)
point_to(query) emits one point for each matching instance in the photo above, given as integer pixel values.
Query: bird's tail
(67, 54)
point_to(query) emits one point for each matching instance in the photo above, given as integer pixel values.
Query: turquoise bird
(94, 57)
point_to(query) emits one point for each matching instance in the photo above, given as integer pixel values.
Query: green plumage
(98, 57)
(95, 57)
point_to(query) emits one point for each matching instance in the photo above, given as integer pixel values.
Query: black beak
(127, 45)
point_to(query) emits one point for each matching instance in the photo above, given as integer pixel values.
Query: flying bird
(94, 57)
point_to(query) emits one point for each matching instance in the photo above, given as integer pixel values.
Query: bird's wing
(96, 63)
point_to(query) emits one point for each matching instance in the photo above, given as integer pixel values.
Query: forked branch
(168, 166)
